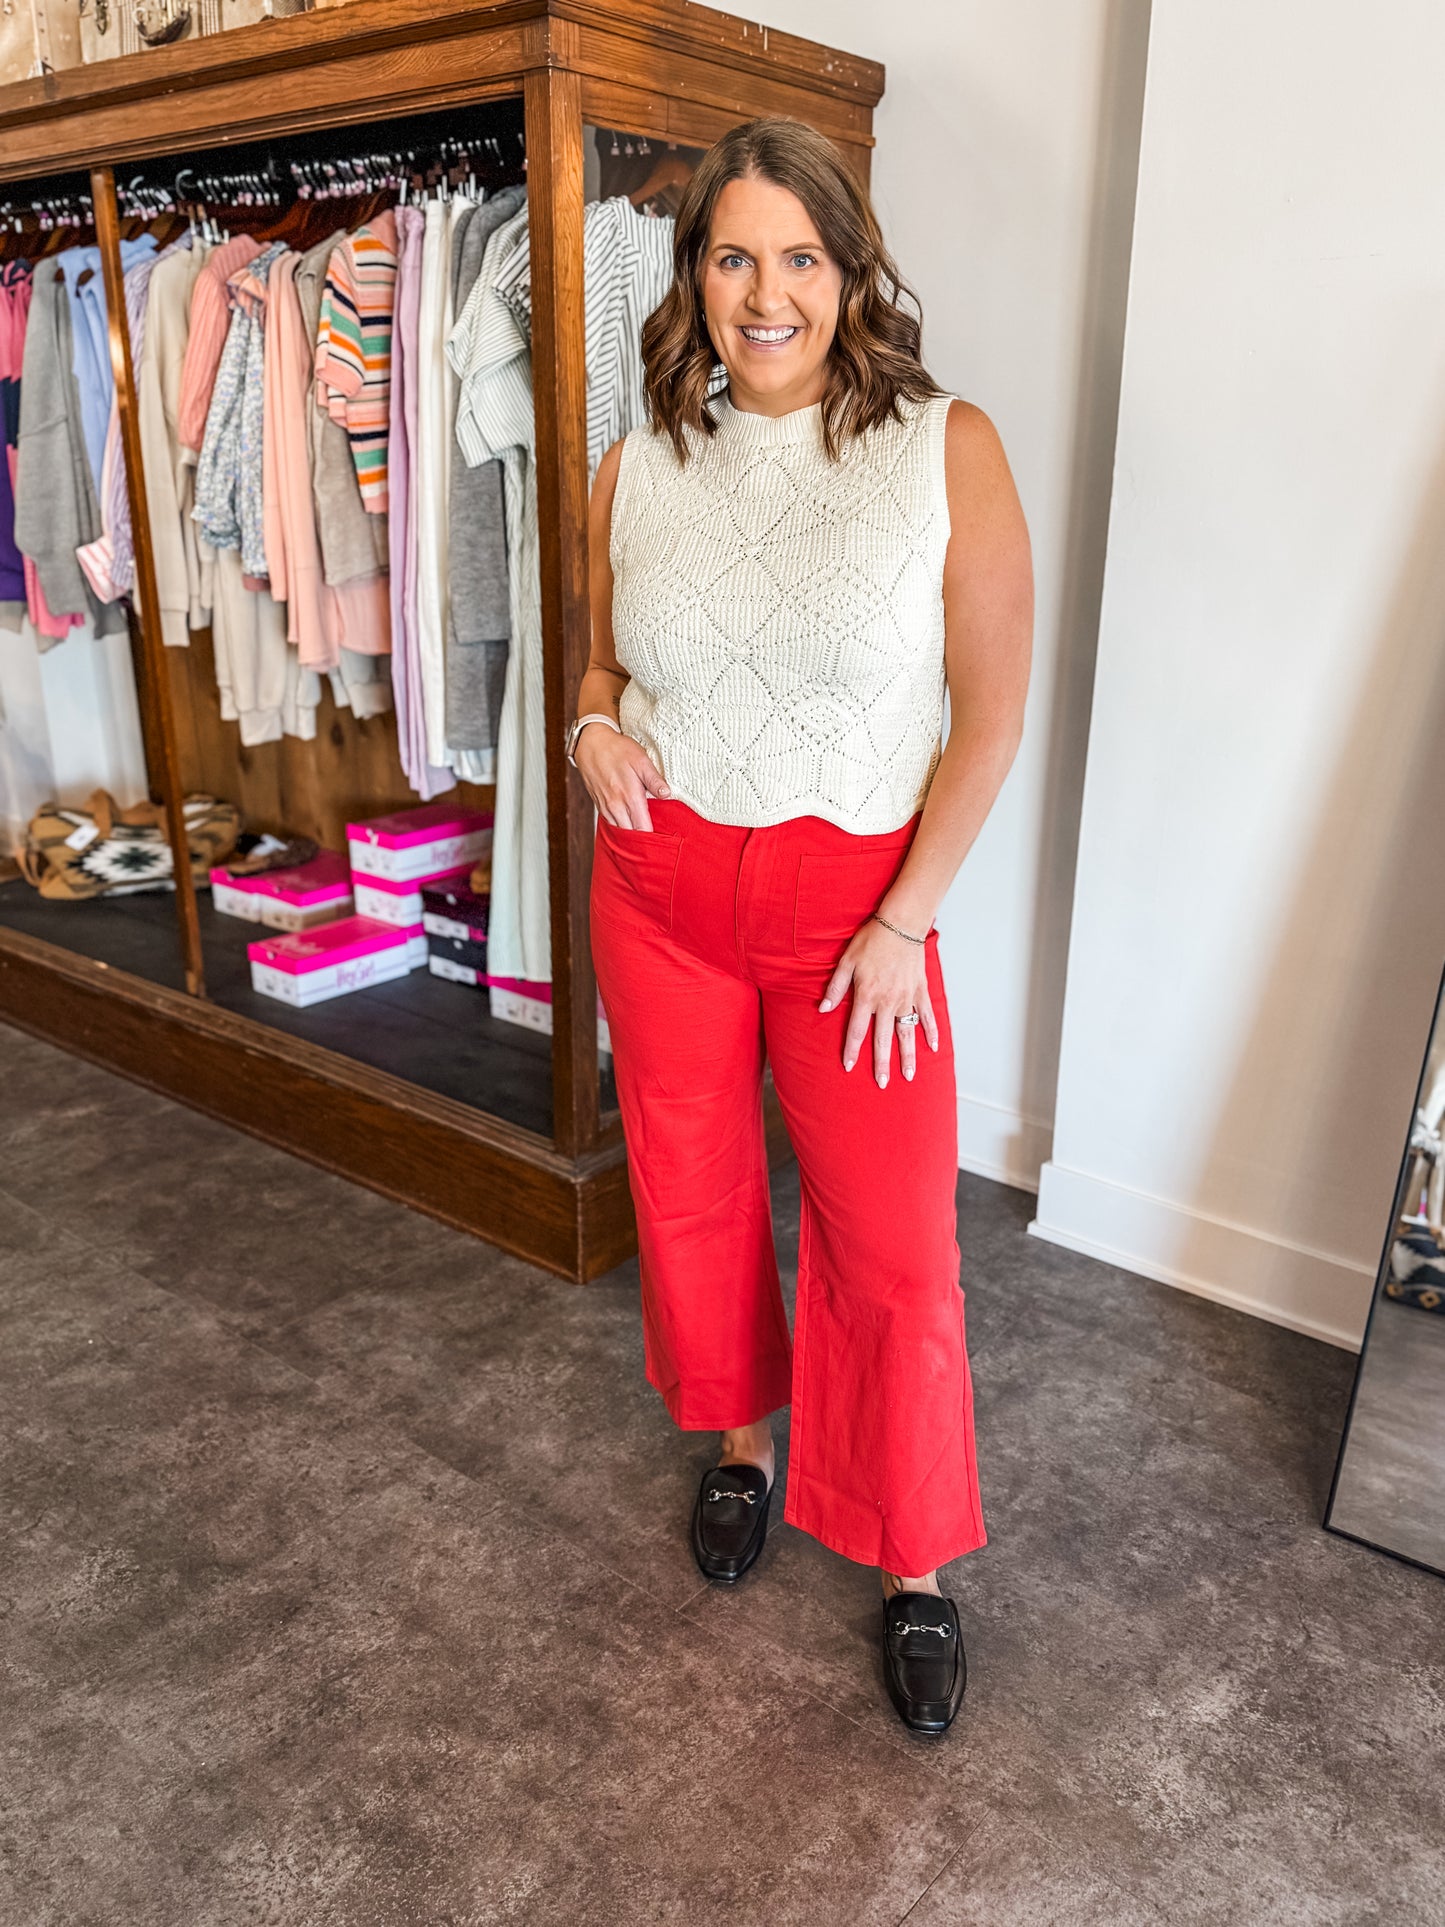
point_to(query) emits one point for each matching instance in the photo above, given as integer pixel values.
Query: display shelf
(440, 1036)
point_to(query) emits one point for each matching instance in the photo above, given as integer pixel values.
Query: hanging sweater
(14, 307)
(183, 578)
(56, 510)
(626, 270)
(353, 349)
(353, 542)
(781, 615)
(479, 608)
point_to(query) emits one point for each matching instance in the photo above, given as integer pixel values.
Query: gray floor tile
(512, 1736)
(344, 1579)
(1155, 1628)
(53, 1100)
(1019, 1285)
(533, 1386)
(148, 1459)
(1010, 1874)
(203, 1211)
(83, 1837)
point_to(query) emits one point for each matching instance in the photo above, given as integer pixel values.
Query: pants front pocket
(835, 896)
(633, 872)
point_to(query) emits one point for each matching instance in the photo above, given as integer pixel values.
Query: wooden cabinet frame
(664, 68)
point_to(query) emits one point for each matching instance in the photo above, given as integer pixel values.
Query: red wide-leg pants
(713, 944)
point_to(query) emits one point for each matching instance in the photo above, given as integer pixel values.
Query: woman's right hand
(620, 776)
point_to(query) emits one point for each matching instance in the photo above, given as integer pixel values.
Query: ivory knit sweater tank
(781, 615)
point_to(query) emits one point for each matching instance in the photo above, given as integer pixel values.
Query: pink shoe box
(399, 902)
(411, 844)
(294, 899)
(235, 896)
(517, 1000)
(311, 893)
(333, 959)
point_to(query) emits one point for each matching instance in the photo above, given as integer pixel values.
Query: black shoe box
(462, 959)
(455, 912)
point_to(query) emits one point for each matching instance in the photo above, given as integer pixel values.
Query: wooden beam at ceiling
(271, 46)
(727, 40)
(353, 89)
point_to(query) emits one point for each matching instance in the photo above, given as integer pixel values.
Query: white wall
(69, 724)
(1003, 175)
(1259, 912)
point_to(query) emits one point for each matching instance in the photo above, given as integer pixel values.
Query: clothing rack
(232, 129)
(42, 216)
(245, 185)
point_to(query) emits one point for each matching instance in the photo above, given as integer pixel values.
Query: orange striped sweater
(353, 348)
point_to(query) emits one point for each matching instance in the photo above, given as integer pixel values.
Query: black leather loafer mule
(923, 1660)
(730, 1520)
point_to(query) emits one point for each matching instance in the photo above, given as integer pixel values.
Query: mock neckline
(746, 429)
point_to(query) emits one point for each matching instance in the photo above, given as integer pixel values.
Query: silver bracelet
(905, 934)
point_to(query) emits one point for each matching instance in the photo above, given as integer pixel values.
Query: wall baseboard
(999, 1144)
(1314, 1292)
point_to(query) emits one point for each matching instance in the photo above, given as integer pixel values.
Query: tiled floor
(344, 1579)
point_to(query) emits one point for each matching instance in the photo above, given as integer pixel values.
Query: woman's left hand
(889, 978)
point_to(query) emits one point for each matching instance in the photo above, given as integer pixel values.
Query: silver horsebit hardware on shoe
(717, 1492)
(902, 1626)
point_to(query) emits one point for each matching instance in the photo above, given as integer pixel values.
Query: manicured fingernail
(883, 1083)
(909, 1076)
(849, 1062)
(827, 1004)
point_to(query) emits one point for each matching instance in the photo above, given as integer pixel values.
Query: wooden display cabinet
(666, 70)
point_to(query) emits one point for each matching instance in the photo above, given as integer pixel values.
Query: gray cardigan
(56, 511)
(480, 622)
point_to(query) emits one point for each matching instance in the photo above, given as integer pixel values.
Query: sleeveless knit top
(781, 615)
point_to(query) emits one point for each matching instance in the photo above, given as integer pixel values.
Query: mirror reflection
(1389, 1487)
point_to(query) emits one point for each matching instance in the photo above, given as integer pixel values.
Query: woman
(785, 576)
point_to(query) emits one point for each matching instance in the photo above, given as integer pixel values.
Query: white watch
(594, 716)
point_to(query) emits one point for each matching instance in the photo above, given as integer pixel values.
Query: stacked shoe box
(454, 917)
(517, 1000)
(390, 858)
(401, 900)
(294, 899)
(333, 959)
(395, 858)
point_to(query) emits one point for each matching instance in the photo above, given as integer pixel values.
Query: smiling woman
(798, 295)
(805, 547)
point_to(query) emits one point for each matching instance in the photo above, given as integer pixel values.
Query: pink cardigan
(320, 620)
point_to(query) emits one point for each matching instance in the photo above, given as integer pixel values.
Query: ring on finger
(909, 1018)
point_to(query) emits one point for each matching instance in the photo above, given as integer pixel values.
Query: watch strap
(593, 716)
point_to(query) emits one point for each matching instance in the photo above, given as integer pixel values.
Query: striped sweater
(353, 349)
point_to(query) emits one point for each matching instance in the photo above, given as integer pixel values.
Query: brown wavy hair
(874, 359)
